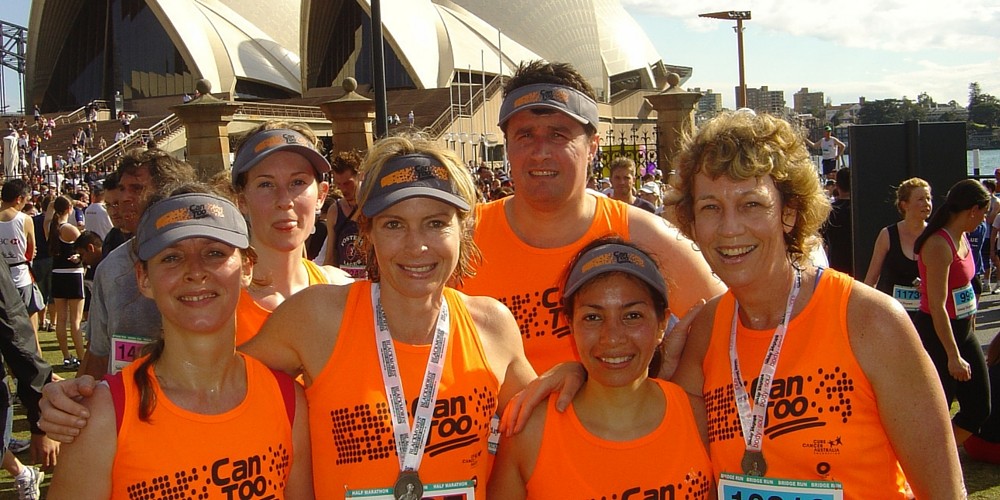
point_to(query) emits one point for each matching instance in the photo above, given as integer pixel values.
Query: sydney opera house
(274, 50)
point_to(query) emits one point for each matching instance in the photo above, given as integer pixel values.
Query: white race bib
(965, 301)
(124, 350)
(909, 296)
(740, 487)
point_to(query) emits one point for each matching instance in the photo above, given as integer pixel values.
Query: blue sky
(846, 48)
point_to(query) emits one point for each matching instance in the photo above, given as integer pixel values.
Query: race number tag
(965, 301)
(740, 487)
(459, 490)
(493, 441)
(909, 296)
(124, 350)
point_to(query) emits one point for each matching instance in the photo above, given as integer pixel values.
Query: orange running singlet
(822, 418)
(670, 462)
(181, 454)
(250, 316)
(528, 280)
(353, 445)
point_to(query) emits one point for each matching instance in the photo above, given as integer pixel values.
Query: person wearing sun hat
(550, 118)
(415, 231)
(616, 303)
(278, 176)
(832, 148)
(191, 399)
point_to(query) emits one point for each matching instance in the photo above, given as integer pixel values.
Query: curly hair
(409, 143)
(742, 146)
(346, 161)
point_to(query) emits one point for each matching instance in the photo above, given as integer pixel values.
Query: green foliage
(890, 111)
(984, 109)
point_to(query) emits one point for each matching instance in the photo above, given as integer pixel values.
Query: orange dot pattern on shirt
(364, 432)
(796, 402)
(538, 313)
(226, 477)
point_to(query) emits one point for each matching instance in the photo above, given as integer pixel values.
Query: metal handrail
(280, 110)
(443, 120)
(160, 129)
(79, 114)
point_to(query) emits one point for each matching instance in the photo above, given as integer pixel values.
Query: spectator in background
(832, 150)
(112, 201)
(342, 227)
(96, 216)
(41, 266)
(893, 266)
(67, 282)
(947, 305)
(838, 233)
(623, 183)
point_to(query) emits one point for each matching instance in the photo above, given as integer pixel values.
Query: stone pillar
(352, 117)
(675, 110)
(206, 123)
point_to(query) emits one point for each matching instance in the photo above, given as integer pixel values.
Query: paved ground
(988, 318)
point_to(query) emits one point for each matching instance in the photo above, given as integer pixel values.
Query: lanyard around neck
(410, 441)
(752, 420)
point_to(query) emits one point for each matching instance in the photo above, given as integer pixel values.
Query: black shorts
(829, 166)
(977, 285)
(67, 285)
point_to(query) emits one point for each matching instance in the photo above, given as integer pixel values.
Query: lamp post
(739, 16)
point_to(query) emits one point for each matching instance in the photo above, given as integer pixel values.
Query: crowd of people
(357, 325)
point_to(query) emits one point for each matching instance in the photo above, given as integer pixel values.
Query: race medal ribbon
(752, 420)
(410, 441)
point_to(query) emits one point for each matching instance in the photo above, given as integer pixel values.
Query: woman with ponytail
(948, 304)
(192, 417)
(67, 281)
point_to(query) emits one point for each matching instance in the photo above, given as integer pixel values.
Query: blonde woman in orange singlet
(612, 439)
(192, 418)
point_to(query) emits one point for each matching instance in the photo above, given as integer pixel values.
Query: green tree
(890, 111)
(984, 109)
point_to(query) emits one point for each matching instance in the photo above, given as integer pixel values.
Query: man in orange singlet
(549, 117)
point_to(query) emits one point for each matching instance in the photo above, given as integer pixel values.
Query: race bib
(493, 441)
(909, 296)
(124, 350)
(459, 490)
(965, 301)
(741, 487)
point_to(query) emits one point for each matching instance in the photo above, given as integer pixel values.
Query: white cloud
(900, 26)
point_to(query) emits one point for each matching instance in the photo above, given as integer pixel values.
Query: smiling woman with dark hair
(191, 400)
(614, 434)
